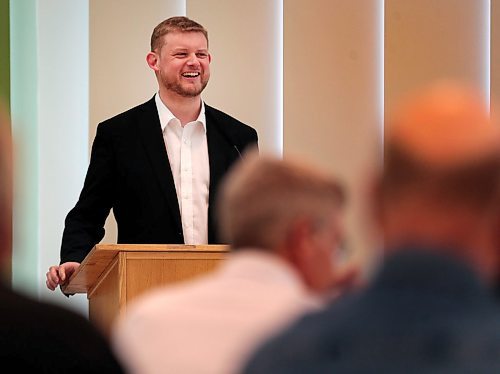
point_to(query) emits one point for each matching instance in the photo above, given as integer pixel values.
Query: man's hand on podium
(60, 274)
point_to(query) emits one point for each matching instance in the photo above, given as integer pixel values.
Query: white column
(50, 125)
(495, 58)
(25, 130)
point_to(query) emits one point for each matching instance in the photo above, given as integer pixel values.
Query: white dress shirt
(211, 324)
(188, 156)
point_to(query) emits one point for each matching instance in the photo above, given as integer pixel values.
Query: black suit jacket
(129, 171)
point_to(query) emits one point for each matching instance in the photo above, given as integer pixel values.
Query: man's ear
(152, 60)
(298, 242)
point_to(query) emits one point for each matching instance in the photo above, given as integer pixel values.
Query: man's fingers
(62, 273)
(52, 276)
(50, 286)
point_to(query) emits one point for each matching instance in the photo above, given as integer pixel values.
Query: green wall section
(4, 53)
(24, 114)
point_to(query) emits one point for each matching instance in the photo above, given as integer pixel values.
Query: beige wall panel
(120, 31)
(332, 96)
(245, 44)
(427, 40)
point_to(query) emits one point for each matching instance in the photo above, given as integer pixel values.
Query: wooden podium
(113, 274)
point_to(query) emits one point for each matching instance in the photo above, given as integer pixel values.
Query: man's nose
(193, 60)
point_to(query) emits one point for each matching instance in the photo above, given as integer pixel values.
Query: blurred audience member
(430, 307)
(37, 337)
(283, 221)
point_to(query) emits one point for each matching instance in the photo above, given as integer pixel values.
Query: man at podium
(158, 165)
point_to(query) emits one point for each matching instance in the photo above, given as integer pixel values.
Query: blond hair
(262, 196)
(174, 24)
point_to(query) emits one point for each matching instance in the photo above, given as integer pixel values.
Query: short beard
(179, 90)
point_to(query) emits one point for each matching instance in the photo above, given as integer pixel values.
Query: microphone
(223, 132)
(229, 141)
(237, 150)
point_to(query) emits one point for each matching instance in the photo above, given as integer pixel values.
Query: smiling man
(158, 165)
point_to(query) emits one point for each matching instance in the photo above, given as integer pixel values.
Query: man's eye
(181, 54)
(201, 55)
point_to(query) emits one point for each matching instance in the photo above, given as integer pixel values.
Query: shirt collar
(166, 115)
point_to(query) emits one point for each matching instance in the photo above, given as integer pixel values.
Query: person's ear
(153, 61)
(297, 239)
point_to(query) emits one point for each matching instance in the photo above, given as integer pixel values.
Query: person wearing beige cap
(430, 306)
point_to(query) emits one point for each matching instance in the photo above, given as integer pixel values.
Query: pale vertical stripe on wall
(435, 39)
(486, 55)
(63, 91)
(332, 88)
(50, 125)
(25, 129)
(495, 58)
(120, 78)
(245, 43)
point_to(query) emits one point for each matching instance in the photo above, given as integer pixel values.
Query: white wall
(24, 112)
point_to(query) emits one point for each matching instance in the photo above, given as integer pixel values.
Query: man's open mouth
(191, 74)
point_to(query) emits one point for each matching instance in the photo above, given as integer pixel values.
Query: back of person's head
(174, 24)
(5, 185)
(263, 196)
(441, 140)
(282, 207)
(441, 177)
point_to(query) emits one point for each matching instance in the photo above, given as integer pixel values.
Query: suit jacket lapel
(152, 138)
(220, 155)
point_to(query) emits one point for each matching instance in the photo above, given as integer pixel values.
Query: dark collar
(427, 270)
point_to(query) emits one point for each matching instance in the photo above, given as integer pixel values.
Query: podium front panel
(145, 271)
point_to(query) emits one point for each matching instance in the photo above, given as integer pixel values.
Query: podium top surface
(100, 257)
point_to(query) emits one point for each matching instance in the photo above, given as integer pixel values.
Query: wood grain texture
(113, 274)
(102, 254)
